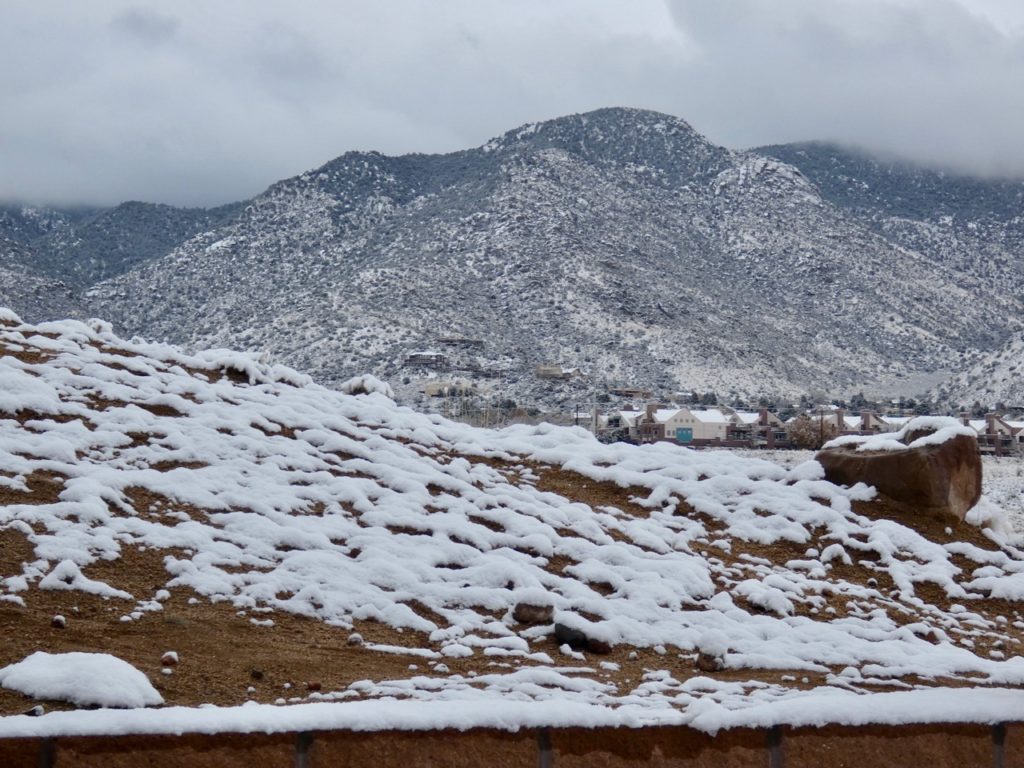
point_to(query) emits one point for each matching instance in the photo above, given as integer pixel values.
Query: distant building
(427, 358)
(688, 425)
(557, 372)
(460, 341)
(448, 388)
(760, 428)
(995, 434)
(632, 393)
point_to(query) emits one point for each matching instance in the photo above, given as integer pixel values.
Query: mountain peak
(620, 136)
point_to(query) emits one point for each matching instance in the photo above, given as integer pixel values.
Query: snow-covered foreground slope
(152, 497)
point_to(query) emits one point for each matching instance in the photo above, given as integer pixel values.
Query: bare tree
(808, 433)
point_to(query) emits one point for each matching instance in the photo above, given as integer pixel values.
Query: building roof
(710, 416)
(664, 414)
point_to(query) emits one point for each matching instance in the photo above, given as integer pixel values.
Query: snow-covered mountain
(82, 246)
(619, 241)
(35, 295)
(996, 379)
(971, 224)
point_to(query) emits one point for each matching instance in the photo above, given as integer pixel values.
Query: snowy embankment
(283, 499)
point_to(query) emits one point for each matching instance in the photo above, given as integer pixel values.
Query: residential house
(651, 426)
(759, 428)
(428, 358)
(995, 435)
(688, 425)
(624, 419)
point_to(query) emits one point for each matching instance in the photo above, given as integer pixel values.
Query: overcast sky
(201, 103)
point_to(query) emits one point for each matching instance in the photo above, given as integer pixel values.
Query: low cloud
(930, 81)
(106, 101)
(145, 25)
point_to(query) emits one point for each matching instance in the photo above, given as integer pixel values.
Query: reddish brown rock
(526, 613)
(580, 641)
(709, 662)
(942, 480)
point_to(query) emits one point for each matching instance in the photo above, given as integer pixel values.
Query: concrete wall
(934, 746)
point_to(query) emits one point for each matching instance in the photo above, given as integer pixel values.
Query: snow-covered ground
(1003, 485)
(281, 498)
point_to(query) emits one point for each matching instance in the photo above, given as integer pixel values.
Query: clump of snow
(67, 575)
(84, 679)
(939, 429)
(986, 514)
(365, 385)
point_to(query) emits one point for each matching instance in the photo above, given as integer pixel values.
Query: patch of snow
(84, 679)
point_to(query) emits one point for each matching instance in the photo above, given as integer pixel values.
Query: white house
(686, 425)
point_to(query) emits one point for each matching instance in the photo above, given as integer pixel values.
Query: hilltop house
(557, 372)
(428, 358)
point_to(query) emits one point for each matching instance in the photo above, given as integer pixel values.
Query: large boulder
(932, 465)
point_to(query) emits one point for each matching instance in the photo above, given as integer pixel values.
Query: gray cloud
(929, 81)
(145, 24)
(111, 101)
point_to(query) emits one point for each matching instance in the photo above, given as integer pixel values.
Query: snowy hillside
(238, 533)
(35, 295)
(82, 246)
(996, 377)
(620, 242)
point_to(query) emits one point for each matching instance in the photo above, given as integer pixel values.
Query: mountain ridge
(468, 236)
(619, 241)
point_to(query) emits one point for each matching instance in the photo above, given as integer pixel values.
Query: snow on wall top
(283, 496)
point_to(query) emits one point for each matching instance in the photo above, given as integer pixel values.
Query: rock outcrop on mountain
(619, 242)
